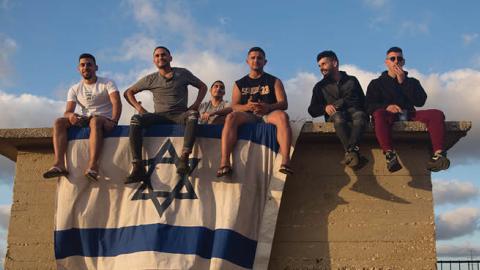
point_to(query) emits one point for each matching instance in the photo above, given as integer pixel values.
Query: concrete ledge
(402, 131)
(12, 140)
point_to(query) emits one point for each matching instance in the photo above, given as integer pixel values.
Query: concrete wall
(330, 217)
(336, 218)
(30, 234)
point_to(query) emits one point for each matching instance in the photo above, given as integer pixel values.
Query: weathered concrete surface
(330, 217)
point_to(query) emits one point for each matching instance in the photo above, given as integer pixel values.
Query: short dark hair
(162, 47)
(217, 81)
(256, 49)
(329, 54)
(395, 49)
(87, 55)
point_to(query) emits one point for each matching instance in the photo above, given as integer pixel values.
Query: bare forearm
(223, 111)
(240, 107)
(282, 105)
(116, 112)
(202, 91)
(130, 97)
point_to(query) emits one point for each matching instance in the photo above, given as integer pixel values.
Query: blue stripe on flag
(221, 243)
(264, 134)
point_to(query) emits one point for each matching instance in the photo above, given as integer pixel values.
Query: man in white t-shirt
(101, 108)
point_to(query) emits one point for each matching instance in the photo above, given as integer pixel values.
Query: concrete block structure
(330, 217)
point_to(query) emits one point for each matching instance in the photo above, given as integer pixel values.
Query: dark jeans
(141, 121)
(433, 119)
(349, 137)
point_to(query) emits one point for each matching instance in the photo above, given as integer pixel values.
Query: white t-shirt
(94, 98)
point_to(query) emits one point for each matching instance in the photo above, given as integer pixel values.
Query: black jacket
(386, 90)
(345, 94)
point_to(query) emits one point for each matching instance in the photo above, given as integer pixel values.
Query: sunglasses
(398, 58)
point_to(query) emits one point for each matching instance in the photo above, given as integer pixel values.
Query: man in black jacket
(392, 97)
(340, 98)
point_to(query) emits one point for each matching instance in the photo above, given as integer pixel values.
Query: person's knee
(136, 120)
(61, 123)
(437, 115)
(380, 115)
(359, 118)
(337, 119)
(231, 119)
(96, 123)
(193, 115)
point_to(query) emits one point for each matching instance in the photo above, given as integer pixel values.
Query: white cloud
(4, 216)
(8, 46)
(173, 20)
(26, 110)
(7, 170)
(464, 250)
(139, 47)
(458, 222)
(299, 93)
(454, 191)
(412, 28)
(457, 93)
(469, 38)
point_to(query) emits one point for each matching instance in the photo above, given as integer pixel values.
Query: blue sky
(41, 40)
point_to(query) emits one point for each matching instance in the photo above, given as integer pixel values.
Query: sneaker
(393, 164)
(352, 157)
(438, 162)
(138, 174)
(182, 166)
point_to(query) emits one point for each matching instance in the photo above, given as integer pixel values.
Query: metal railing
(458, 265)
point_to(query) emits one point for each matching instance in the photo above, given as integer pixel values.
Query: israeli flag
(197, 221)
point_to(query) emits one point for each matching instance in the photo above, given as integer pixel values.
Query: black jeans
(349, 137)
(141, 121)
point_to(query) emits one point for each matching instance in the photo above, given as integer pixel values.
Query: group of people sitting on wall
(258, 97)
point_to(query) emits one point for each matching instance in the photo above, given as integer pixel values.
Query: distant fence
(458, 265)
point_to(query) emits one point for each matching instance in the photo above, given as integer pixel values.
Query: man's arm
(223, 111)
(236, 98)
(202, 91)
(281, 104)
(116, 106)
(414, 91)
(129, 95)
(70, 114)
(374, 99)
(317, 103)
(281, 96)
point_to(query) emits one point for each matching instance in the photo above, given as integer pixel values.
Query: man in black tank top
(257, 97)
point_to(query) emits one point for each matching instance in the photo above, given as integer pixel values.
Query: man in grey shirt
(215, 110)
(170, 97)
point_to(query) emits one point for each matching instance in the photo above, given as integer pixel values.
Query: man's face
(217, 90)
(256, 61)
(394, 59)
(87, 68)
(327, 66)
(161, 58)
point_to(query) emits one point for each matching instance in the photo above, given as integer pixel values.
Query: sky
(40, 42)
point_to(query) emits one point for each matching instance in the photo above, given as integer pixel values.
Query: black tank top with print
(261, 89)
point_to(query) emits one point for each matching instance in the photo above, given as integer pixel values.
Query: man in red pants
(392, 97)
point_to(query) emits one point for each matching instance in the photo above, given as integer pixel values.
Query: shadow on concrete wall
(321, 185)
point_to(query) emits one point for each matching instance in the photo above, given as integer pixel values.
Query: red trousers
(434, 119)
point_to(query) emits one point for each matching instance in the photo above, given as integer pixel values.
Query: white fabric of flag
(197, 221)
